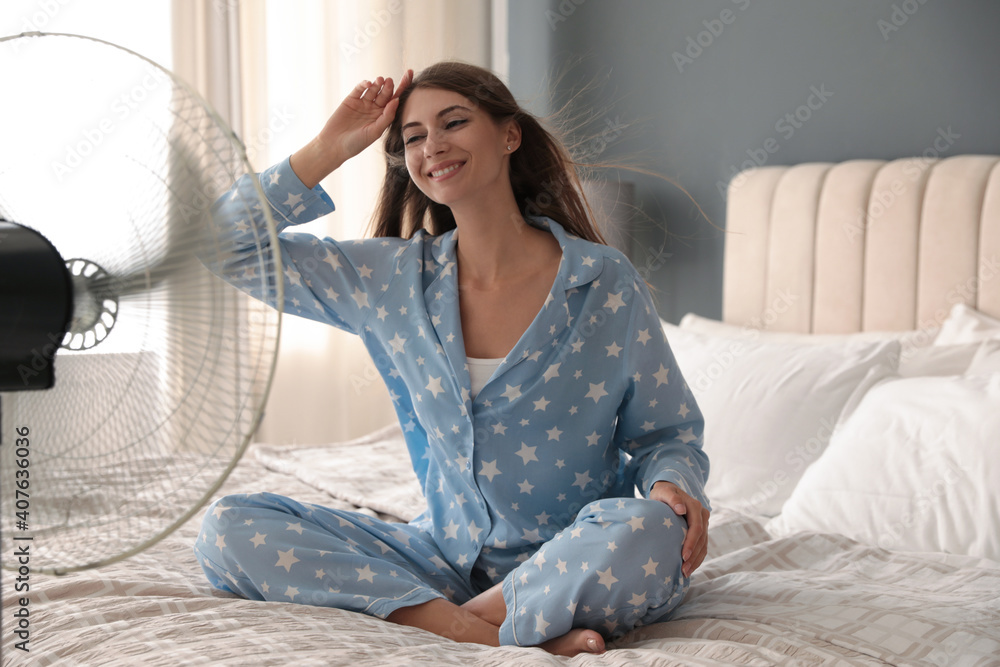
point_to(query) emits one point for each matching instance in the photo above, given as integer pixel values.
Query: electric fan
(133, 374)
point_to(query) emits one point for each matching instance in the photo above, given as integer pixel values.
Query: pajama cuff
(682, 482)
(508, 634)
(382, 607)
(291, 200)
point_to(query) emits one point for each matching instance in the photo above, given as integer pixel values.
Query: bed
(852, 403)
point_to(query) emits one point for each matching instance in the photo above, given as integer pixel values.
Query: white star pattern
(526, 453)
(551, 372)
(614, 302)
(434, 386)
(512, 393)
(333, 260)
(541, 624)
(490, 470)
(451, 531)
(686, 435)
(286, 559)
(582, 480)
(597, 392)
(474, 531)
(397, 343)
(293, 276)
(360, 298)
(606, 578)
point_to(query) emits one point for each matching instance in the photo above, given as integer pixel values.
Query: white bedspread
(808, 599)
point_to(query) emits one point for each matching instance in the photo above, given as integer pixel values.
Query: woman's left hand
(696, 542)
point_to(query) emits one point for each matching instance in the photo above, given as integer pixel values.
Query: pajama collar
(579, 265)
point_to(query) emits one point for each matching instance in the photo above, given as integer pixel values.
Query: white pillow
(913, 338)
(967, 325)
(770, 408)
(919, 355)
(915, 467)
(937, 359)
(986, 360)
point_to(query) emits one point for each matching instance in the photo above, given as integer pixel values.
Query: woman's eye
(454, 123)
(412, 138)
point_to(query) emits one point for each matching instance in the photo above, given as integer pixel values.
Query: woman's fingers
(371, 91)
(382, 90)
(695, 545)
(384, 94)
(696, 539)
(388, 113)
(404, 83)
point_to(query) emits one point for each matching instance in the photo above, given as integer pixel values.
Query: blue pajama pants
(616, 567)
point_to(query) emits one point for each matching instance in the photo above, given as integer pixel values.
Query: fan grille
(118, 163)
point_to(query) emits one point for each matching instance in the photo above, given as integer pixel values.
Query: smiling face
(454, 150)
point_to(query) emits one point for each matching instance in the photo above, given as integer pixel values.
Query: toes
(576, 642)
(593, 642)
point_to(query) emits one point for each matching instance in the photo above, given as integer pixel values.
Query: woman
(528, 371)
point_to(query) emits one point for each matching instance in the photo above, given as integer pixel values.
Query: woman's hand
(359, 120)
(696, 542)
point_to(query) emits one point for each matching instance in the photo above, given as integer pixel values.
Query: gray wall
(707, 87)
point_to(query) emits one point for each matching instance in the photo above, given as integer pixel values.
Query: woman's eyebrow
(439, 114)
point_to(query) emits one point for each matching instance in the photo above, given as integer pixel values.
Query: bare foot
(575, 642)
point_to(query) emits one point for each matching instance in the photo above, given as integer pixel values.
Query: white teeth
(446, 170)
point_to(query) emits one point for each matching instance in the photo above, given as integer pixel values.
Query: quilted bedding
(812, 598)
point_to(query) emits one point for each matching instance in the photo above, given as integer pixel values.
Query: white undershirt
(480, 371)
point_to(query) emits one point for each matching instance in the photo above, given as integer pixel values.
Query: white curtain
(279, 68)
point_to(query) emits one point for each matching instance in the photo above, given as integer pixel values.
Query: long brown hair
(543, 175)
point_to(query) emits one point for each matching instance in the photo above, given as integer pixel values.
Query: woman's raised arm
(359, 120)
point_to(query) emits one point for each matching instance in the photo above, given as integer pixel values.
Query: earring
(508, 148)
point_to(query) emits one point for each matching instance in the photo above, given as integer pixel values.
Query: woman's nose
(433, 144)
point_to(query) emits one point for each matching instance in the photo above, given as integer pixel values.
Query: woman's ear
(512, 136)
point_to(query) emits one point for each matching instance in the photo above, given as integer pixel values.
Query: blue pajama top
(588, 404)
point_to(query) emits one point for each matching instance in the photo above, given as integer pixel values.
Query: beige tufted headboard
(864, 245)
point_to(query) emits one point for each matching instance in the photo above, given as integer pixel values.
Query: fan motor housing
(36, 305)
